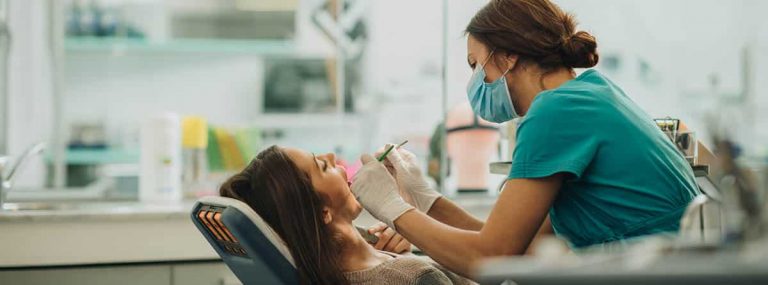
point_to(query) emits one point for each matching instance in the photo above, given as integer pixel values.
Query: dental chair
(245, 242)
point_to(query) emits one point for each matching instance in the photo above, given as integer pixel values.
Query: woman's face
(330, 181)
(478, 54)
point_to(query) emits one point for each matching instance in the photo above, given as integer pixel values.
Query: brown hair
(537, 31)
(283, 196)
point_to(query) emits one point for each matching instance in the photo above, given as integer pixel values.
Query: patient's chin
(358, 209)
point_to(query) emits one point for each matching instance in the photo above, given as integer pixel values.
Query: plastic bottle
(194, 144)
(160, 173)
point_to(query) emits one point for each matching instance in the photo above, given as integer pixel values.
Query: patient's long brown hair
(284, 197)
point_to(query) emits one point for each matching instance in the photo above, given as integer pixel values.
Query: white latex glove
(412, 182)
(377, 191)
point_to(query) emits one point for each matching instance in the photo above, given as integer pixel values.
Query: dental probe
(384, 155)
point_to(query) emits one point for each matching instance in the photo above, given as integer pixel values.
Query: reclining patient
(307, 201)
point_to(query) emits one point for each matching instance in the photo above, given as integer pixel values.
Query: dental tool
(384, 155)
(380, 159)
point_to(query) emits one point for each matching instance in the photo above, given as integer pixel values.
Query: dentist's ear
(327, 218)
(511, 61)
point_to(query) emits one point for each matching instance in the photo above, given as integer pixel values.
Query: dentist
(587, 158)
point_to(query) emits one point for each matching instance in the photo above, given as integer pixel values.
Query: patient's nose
(331, 157)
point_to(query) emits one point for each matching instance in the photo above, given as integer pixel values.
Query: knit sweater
(406, 270)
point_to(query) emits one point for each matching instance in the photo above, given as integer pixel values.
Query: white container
(160, 173)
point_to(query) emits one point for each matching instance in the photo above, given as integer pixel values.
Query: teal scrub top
(625, 178)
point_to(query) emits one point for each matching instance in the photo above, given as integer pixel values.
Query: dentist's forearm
(447, 212)
(508, 230)
(456, 249)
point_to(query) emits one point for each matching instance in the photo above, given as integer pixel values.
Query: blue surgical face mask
(490, 101)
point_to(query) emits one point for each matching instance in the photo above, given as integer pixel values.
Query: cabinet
(207, 273)
(203, 274)
(117, 275)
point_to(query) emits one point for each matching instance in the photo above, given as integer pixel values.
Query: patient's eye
(317, 162)
(324, 165)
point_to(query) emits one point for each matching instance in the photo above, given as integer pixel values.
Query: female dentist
(587, 158)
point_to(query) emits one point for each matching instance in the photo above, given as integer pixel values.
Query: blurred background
(333, 76)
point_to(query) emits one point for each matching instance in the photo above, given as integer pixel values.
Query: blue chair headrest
(245, 242)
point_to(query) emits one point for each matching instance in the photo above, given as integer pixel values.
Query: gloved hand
(377, 191)
(391, 168)
(408, 175)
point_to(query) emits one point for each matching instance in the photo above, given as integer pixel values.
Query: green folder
(215, 161)
(248, 141)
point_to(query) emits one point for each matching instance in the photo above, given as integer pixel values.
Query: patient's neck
(356, 253)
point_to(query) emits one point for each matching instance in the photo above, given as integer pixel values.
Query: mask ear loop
(509, 96)
(508, 70)
(505, 73)
(488, 58)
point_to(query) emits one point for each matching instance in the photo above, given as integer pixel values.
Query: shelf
(100, 156)
(133, 45)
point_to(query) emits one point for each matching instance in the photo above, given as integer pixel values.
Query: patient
(306, 199)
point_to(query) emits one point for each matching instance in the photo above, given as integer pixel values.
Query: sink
(64, 206)
(96, 191)
(91, 207)
(92, 211)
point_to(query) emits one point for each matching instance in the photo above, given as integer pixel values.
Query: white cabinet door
(203, 274)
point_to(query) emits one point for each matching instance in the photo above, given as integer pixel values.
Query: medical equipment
(384, 155)
(245, 242)
(668, 124)
(470, 144)
(685, 141)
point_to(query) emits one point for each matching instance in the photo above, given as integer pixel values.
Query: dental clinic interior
(204, 142)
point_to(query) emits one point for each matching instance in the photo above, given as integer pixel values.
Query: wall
(403, 71)
(29, 97)
(122, 90)
(684, 43)
(757, 34)
(402, 81)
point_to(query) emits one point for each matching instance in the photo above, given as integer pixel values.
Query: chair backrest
(245, 242)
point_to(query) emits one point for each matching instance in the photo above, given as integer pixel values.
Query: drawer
(203, 274)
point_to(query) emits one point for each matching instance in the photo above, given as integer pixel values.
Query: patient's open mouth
(349, 172)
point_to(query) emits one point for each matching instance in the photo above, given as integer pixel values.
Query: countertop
(124, 232)
(478, 204)
(101, 211)
(643, 264)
